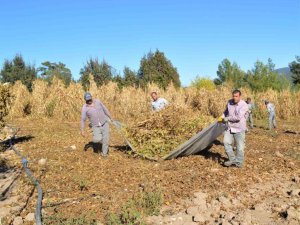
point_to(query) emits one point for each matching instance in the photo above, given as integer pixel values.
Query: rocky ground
(196, 189)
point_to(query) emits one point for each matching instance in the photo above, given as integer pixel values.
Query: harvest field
(80, 187)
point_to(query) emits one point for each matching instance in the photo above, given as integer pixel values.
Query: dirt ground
(77, 182)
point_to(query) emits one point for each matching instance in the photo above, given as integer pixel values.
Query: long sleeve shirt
(237, 115)
(97, 114)
(250, 107)
(159, 104)
(271, 108)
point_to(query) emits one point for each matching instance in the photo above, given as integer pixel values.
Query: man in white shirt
(158, 103)
(271, 111)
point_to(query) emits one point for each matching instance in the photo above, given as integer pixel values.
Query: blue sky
(195, 35)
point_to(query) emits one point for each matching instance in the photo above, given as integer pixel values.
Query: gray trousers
(101, 135)
(272, 121)
(250, 119)
(239, 139)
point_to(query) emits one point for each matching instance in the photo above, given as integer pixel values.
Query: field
(80, 187)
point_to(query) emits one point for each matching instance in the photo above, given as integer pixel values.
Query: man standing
(98, 116)
(235, 116)
(158, 103)
(271, 111)
(250, 108)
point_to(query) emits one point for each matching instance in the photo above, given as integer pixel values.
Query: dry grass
(153, 134)
(130, 104)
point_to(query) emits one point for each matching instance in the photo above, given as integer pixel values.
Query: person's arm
(83, 119)
(105, 110)
(226, 112)
(240, 114)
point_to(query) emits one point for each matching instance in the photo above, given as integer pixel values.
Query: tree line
(155, 67)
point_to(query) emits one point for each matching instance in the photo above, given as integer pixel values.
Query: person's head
(248, 100)
(88, 98)
(236, 96)
(154, 95)
(266, 102)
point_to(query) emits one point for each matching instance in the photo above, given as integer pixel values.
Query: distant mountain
(285, 71)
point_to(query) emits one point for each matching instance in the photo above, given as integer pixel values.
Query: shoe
(238, 164)
(229, 163)
(104, 156)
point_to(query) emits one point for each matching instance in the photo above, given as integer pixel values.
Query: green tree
(101, 72)
(203, 83)
(263, 77)
(130, 77)
(49, 70)
(230, 73)
(17, 69)
(155, 67)
(295, 69)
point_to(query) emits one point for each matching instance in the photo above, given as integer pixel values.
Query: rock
(251, 191)
(225, 201)
(293, 213)
(42, 162)
(260, 159)
(229, 216)
(199, 218)
(193, 210)
(73, 147)
(190, 223)
(29, 217)
(295, 192)
(278, 154)
(247, 218)
(296, 180)
(18, 220)
(200, 195)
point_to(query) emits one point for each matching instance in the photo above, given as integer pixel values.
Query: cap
(87, 96)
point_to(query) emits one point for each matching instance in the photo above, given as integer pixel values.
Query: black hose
(38, 210)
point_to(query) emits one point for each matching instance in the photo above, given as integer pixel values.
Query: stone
(193, 210)
(225, 201)
(247, 218)
(296, 180)
(73, 147)
(295, 192)
(30, 217)
(199, 218)
(42, 162)
(278, 154)
(18, 220)
(293, 213)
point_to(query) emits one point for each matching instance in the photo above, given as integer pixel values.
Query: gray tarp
(194, 145)
(198, 142)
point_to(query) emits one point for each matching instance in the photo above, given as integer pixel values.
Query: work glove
(220, 119)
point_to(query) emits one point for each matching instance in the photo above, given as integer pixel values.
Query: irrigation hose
(38, 210)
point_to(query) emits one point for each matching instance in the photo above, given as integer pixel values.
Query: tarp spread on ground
(159, 134)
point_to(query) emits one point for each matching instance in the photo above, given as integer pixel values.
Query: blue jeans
(239, 139)
(272, 122)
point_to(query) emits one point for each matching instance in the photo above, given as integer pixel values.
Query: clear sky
(195, 35)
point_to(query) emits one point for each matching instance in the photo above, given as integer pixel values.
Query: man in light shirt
(158, 103)
(99, 116)
(250, 107)
(271, 111)
(235, 115)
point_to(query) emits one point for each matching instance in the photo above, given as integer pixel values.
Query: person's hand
(82, 133)
(220, 119)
